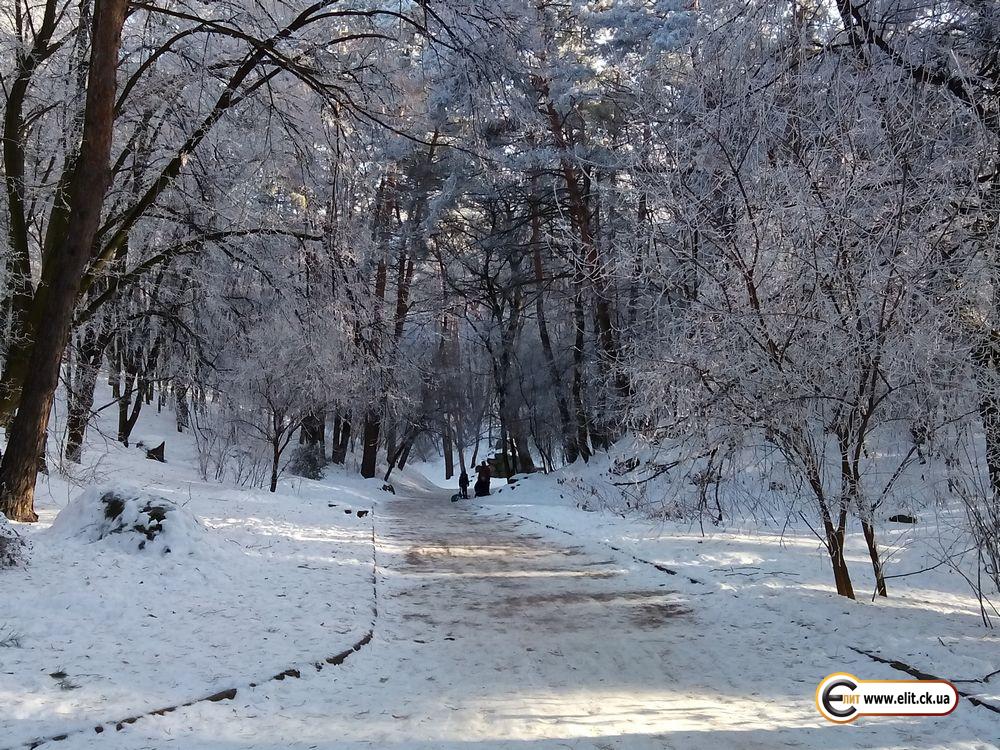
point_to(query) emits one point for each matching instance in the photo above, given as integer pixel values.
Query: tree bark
(369, 456)
(182, 411)
(80, 395)
(449, 454)
(343, 441)
(576, 388)
(26, 437)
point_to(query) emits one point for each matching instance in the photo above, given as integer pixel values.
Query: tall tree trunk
(869, 530)
(576, 389)
(335, 435)
(343, 442)
(275, 462)
(570, 448)
(16, 299)
(835, 548)
(26, 437)
(124, 401)
(181, 409)
(449, 453)
(390, 442)
(80, 392)
(369, 446)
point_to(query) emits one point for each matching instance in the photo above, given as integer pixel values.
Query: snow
(930, 621)
(492, 633)
(257, 584)
(14, 550)
(133, 521)
(492, 629)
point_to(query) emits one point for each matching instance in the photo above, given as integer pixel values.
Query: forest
(729, 269)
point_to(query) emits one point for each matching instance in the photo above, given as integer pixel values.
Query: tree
(26, 436)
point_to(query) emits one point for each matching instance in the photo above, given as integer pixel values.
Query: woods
(762, 236)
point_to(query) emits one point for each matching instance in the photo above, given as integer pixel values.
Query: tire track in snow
(230, 693)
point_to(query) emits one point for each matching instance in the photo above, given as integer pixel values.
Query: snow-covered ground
(494, 635)
(931, 620)
(94, 632)
(489, 628)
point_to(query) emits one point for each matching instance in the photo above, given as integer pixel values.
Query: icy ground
(492, 630)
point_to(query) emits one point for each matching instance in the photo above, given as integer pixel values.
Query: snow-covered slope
(93, 631)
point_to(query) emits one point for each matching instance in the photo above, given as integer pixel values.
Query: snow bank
(133, 521)
(13, 549)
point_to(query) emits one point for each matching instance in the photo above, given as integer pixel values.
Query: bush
(13, 548)
(307, 461)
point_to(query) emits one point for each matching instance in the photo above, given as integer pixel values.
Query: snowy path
(492, 636)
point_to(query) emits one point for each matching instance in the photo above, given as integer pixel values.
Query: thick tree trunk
(26, 437)
(835, 547)
(17, 297)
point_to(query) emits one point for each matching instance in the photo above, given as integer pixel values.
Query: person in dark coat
(483, 480)
(463, 485)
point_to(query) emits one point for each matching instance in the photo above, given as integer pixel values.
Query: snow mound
(13, 549)
(132, 520)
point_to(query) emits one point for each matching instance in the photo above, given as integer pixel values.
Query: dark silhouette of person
(463, 485)
(482, 480)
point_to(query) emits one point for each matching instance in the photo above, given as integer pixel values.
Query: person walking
(463, 485)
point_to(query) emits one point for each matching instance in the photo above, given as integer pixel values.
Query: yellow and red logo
(842, 698)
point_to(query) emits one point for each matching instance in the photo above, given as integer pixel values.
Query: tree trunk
(80, 396)
(17, 297)
(841, 574)
(449, 454)
(880, 587)
(124, 401)
(390, 443)
(335, 434)
(404, 455)
(576, 389)
(181, 409)
(369, 456)
(26, 437)
(569, 438)
(275, 462)
(341, 445)
(125, 431)
(313, 432)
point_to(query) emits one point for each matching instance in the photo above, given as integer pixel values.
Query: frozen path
(492, 636)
